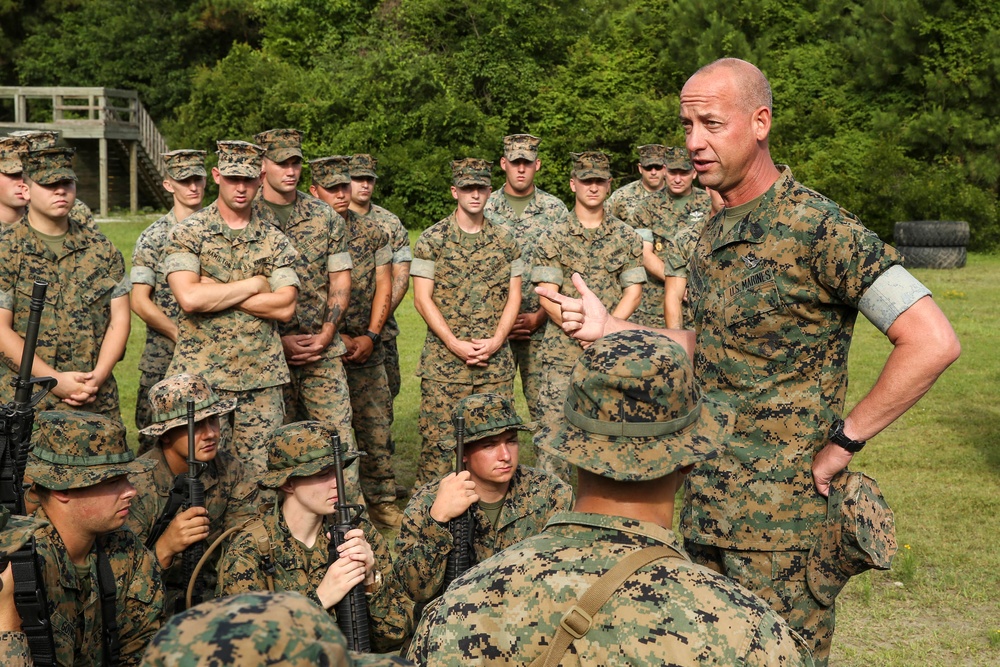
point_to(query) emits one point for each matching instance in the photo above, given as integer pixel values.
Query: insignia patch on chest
(751, 260)
(749, 282)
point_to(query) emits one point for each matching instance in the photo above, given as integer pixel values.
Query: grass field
(938, 466)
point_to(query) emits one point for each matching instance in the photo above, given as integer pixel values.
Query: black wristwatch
(374, 336)
(837, 436)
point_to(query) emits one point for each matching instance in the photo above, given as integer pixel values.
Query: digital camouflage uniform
(239, 354)
(83, 279)
(471, 274)
(77, 450)
(624, 200)
(634, 414)
(15, 531)
(774, 305)
(302, 450)
(147, 270)
(541, 213)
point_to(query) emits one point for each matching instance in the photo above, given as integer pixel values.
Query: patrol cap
(301, 449)
(11, 150)
(470, 171)
(363, 166)
(37, 139)
(679, 158)
(279, 145)
(49, 165)
(168, 398)
(521, 147)
(634, 412)
(652, 155)
(859, 534)
(252, 630)
(331, 171)
(590, 164)
(489, 414)
(72, 450)
(184, 163)
(239, 158)
(15, 531)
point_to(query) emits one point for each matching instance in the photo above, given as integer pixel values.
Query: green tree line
(886, 106)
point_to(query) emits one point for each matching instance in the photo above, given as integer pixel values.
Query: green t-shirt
(492, 510)
(282, 211)
(54, 243)
(518, 203)
(83, 575)
(736, 213)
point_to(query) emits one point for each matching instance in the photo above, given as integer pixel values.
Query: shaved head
(754, 89)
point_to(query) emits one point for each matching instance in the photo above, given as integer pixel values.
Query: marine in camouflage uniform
(467, 286)
(12, 202)
(80, 465)
(85, 323)
(669, 223)
(36, 140)
(537, 210)
(220, 276)
(527, 498)
(15, 531)
(300, 454)
(230, 494)
(254, 629)
(608, 255)
(652, 161)
(151, 298)
(633, 419)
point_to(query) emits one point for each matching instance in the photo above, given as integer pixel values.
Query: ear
(313, 191)
(762, 123)
(572, 184)
(454, 192)
(168, 185)
(25, 191)
(216, 175)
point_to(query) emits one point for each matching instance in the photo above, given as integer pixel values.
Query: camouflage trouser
(779, 577)
(370, 401)
(144, 411)
(550, 419)
(258, 412)
(437, 407)
(650, 310)
(531, 369)
(392, 365)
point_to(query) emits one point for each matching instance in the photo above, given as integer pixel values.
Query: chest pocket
(758, 326)
(98, 287)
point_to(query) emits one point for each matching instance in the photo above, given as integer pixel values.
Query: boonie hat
(15, 531)
(652, 154)
(11, 150)
(239, 158)
(72, 450)
(590, 164)
(184, 163)
(331, 171)
(168, 399)
(521, 147)
(633, 410)
(489, 414)
(279, 145)
(363, 166)
(470, 171)
(301, 449)
(49, 165)
(679, 158)
(859, 534)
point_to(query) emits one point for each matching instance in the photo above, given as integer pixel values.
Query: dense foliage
(886, 106)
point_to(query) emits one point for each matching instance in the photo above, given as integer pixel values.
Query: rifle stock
(460, 557)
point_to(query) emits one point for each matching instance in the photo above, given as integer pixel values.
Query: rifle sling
(109, 604)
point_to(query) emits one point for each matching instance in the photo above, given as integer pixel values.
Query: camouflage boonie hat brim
(182, 164)
(49, 165)
(521, 147)
(487, 415)
(239, 158)
(363, 166)
(331, 171)
(279, 145)
(15, 531)
(652, 154)
(590, 164)
(859, 534)
(634, 412)
(72, 450)
(679, 158)
(11, 150)
(37, 139)
(168, 403)
(302, 449)
(471, 171)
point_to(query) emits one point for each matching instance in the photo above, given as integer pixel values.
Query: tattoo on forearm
(10, 363)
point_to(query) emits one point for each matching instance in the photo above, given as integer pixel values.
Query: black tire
(922, 257)
(933, 233)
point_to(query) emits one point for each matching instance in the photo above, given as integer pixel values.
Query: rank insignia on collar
(751, 261)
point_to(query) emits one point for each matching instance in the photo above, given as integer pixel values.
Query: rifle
(16, 419)
(460, 558)
(195, 491)
(352, 610)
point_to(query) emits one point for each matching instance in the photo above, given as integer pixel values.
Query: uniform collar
(754, 226)
(640, 532)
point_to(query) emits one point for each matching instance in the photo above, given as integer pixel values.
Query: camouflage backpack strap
(576, 622)
(109, 607)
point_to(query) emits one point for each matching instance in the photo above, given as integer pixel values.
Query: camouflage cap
(279, 145)
(255, 629)
(71, 450)
(859, 534)
(652, 155)
(15, 531)
(239, 158)
(489, 414)
(521, 147)
(168, 400)
(38, 139)
(363, 166)
(634, 411)
(184, 163)
(679, 158)
(49, 165)
(590, 164)
(471, 171)
(301, 449)
(11, 150)
(331, 171)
